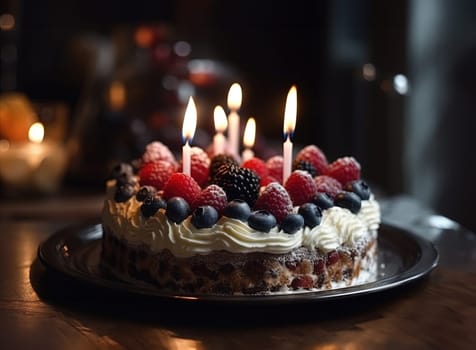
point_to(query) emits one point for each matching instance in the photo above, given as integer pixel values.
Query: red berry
(265, 181)
(199, 164)
(332, 257)
(257, 165)
(158, 151)
(275, 200)
(181, 185)
(319, 266)
(302, 282)
(315, 156)
(275, 167)
(327, 184)
(156, 173)
(344, 170)
(214, 196)
(301, 187)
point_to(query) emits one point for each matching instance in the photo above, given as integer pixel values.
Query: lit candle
(290, 112)
(188, 130)
(249, 139)
(219, 141)
(234, 104)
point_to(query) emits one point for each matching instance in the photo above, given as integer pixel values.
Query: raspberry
(301, 187)
(344, 170)
(156, 173)
(158, 151)
(275, 167)
(265, 181)
(275, 200)
(302, 282)
(315, 156)
(327, 184)
(181, 185)
(258, 165)
(199, 164)
(214, 196)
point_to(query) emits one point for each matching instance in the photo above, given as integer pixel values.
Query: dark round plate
(403, 257)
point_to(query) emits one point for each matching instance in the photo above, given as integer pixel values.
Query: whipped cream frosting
(338, 227)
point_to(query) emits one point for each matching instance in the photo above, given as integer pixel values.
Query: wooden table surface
(42, 310)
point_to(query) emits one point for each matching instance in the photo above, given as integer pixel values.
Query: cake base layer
(223, 272)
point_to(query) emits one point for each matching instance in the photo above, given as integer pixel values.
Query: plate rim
(426, 262)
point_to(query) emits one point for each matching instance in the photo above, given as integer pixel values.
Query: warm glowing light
(144, 37)
(234, 97)
(219, 117)
(4, 145)
(290, 112)
(117, 95)
(250, 133)
(7, 22)
(189, 121)
(36, 133)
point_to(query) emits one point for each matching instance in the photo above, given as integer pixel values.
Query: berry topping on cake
(275, 167)
(151, 205)
(323, 200)
(315, 156)
(237, 209)
(360, 188)
(327, 184)
(267, 180)
(156, 173)
(301, 187)
(199, 164)
(145, 192)
(262, 220)
(155, 151)
(181, 185)
(348, 200)
(311, 214)
(304, 165)
(124, 192)
(238, 183)
(292, 223)
(219, 160)
(204, 216)
(345, 169)
(302, 282)
(122, 173)
(177, 209)
(257, 165)
(275, 200)
(214, 196)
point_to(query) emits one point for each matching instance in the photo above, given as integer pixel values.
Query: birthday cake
(230, 228)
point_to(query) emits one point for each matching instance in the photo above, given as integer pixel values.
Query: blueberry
(151, 205)
(123, 192)
(144, 192)
(262, 220)
(348, 200)
(204, 216)
(311, 214)
(292, 223)
(177, 209)
(237, 209)
(360, 188)
(123, 173)
(323, 201)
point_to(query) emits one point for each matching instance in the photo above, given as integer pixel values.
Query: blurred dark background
(391, 83)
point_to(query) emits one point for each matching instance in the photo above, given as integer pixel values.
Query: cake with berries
(232, 228)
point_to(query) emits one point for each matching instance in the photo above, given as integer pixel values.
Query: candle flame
(234, 97)
(189, 121)
(290, 112)
(36, 133)
(219, 117)
(250, 133)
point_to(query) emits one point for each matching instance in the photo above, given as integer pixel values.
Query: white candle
(219, 140)
(290, 112)
(249, 139)
(188, 131)
(234, 104)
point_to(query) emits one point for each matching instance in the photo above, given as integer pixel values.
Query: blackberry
(306, 166)
(219, 160)
(238, 183)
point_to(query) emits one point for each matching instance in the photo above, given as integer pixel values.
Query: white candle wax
(287, 158)
(186, 161)
(233, 134)
(219, 142)
(247, 154)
